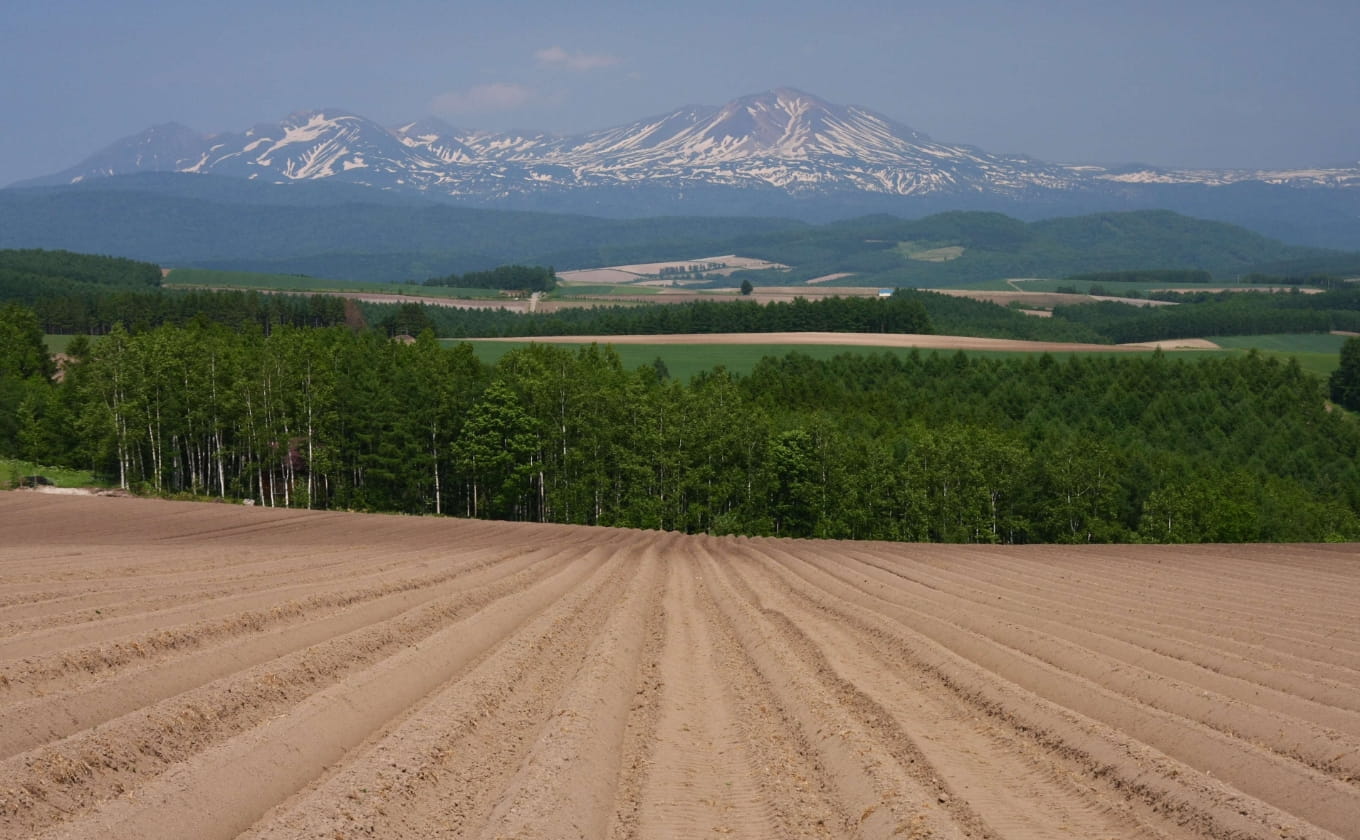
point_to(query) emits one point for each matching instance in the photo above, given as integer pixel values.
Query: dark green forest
(1172, 277)
(928, 447)
(517, 278)
(885, 250)
(1219, 313)
(898, 314)
(328, 230)
(305, 402)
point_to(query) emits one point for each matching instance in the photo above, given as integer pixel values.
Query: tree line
(923, 447)
(515, 278)
(1200, 314)
(1173, 277)
(896, 315)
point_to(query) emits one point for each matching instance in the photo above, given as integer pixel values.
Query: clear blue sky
(1174, 83)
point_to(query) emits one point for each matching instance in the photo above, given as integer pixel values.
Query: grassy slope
(1317, 353)
(569, 290)
(879, 249)
(685, 360)
(11, 470)
(211, 278)
(57, 343)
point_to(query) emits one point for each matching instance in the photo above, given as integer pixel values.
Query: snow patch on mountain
(783, 139)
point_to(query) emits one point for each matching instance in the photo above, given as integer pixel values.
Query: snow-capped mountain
(780, 142)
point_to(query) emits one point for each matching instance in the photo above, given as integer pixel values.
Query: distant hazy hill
(967, 247)
(782, 152)
(219, 222)
(325, 229)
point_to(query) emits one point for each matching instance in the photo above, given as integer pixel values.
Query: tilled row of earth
(197, 670)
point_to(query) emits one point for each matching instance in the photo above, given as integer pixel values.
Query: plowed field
(175, 670)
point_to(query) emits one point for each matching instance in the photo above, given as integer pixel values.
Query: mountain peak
(781, 139)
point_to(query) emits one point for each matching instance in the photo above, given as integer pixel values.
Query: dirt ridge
(179, 669)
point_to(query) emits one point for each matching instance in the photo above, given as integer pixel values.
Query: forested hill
(386, 242)
(960, 248)
(326, 230)
(926, 447)
(28, 271)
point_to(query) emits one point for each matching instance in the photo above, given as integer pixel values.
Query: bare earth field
(1045, 299)
(640, 271)
(925, 342)
(179, 670)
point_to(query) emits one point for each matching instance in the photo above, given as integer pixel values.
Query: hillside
(780, 152)
(190, 220)
(334, 230)
(953, 249)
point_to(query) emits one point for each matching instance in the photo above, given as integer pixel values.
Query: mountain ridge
(778, 153)
(782, 138)
(325, 229)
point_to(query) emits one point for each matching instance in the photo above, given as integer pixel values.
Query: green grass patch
(1111, 289)
(58, 343)
(684, 361)
(596, 289)
(214, 279)
(1317, 353)
(12, 470)
(1286, 343)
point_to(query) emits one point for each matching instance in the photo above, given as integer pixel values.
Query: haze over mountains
(779, 154)
(783, 152)
(784, 138)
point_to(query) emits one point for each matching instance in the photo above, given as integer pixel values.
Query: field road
(185, 670)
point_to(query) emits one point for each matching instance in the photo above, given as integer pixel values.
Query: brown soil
(925, 342)
(198, 670)
(1045, 299)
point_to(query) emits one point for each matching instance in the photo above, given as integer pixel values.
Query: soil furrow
(214, 671)
(1250, 638)
(1282, 675)
(700, 779)
(1284, 787)
(470, 737)
(221, 792)
(567, 783)
(61, 714)
(1136, 674)
(868, 779)
(996, 776)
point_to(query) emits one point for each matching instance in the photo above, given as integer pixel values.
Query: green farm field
(211, 278)
(57, 343)
(684, 361)
(566, 290)
(1316, 354)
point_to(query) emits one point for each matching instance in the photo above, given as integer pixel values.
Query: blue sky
(1188, 83)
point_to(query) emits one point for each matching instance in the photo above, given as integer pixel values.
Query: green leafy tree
(25, 372)
(1211, 508)
(1080, 482)
(1344, 385)
(494, 452)
(792, 462)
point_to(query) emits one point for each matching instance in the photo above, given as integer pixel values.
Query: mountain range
(782, 152)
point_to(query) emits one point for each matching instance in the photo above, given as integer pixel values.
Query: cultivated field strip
(214, 671)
